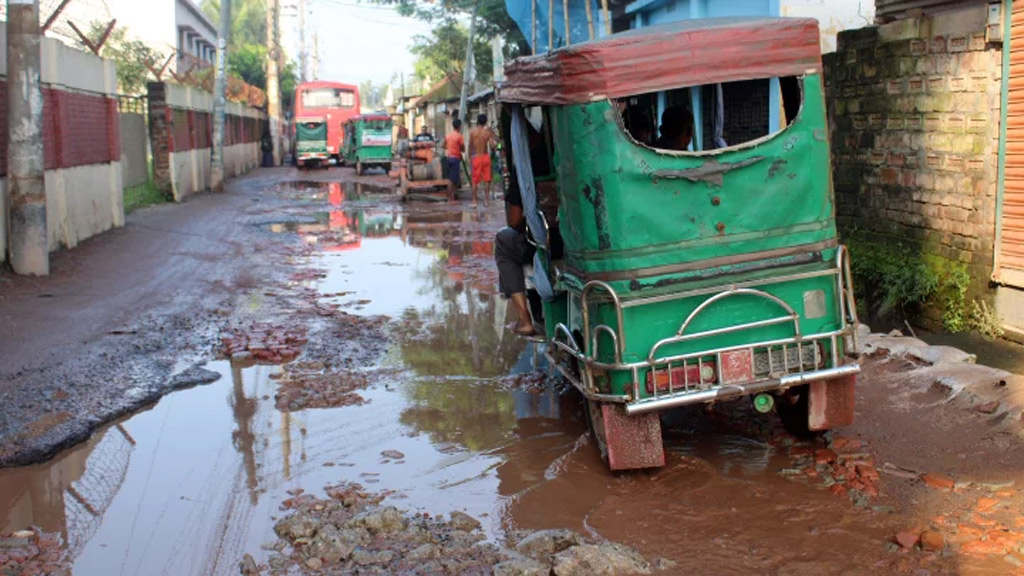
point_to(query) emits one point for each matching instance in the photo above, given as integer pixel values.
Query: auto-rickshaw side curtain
(528, 192)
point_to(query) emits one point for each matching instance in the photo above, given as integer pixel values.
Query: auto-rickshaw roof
(369, 117)
(665, 57)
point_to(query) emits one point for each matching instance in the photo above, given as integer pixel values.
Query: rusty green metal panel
(368, 140)
(628, 209)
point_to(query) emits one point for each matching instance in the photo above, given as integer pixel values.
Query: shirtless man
(480, 140)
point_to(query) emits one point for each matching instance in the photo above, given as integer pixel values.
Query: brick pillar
(160, 136)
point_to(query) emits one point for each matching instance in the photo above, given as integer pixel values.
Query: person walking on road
(481, 139)
(454, 146)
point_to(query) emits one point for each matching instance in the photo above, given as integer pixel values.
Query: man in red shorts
(480, 140)
(454, 146)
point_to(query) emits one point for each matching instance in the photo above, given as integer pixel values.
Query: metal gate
(1010, 260)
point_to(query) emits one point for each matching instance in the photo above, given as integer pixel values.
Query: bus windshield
(328, 98)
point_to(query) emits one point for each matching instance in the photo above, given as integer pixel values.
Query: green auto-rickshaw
(367, 142)
(310, 143)
(679, 272)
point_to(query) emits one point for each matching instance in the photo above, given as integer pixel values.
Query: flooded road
(455, 414)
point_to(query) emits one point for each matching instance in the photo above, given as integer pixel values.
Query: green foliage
(289, 79)
(248, 62)
(952, 292)
(492, 19)
(247, 47)
(145, 194)
(889, 278)
(444, 52)
(984, 320)
(248, 21)
(130, 58)
(896, 280)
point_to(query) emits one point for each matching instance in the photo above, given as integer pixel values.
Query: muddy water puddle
(190, 485)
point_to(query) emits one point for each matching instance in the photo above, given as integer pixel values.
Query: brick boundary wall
(78, 129)
(914, 121)
(175, 129)
(81, 144)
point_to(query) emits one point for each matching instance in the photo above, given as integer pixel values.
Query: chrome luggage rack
(766, 366)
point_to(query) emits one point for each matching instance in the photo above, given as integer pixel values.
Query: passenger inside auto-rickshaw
(691, 266)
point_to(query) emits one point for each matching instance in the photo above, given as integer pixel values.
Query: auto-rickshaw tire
(793, 409)
(595, 422)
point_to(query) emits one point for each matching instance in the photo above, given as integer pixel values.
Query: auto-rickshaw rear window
(713, 116)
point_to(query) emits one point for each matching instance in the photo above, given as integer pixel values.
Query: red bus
(332, 102)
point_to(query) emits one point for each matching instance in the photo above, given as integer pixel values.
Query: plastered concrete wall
(134, 142)
(190, 170)
(81, 139)
(833, 16)
(82, 202)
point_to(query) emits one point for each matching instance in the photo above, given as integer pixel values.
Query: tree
(247, 47)
(444, 52)
(248, 21)
(130, 58)
(493, 19)
(248, 62)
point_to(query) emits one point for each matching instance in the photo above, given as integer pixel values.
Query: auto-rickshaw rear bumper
(667, 379)
(731, 391)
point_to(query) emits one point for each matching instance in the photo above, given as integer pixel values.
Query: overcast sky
(358, 41)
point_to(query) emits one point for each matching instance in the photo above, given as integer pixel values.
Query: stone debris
(314, 385)
(271, 344)
(32, 552)
(393, 454)
(351, 532)
(843, 466)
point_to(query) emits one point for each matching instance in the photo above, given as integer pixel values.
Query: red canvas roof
(665, 57)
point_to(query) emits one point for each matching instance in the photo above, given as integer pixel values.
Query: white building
(170, 27)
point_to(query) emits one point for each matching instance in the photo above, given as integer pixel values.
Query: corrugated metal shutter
(1011, 247)
(889, 10)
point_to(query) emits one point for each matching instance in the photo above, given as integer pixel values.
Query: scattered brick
(932, 541)
(906, 540)
(938, 481)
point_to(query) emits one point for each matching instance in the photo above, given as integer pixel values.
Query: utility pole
(29, 241)
(220, 96)
(273, 86)
(467, 74)
(303, 70)
(316, 56)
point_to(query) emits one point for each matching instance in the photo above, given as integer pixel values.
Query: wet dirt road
(442, 409)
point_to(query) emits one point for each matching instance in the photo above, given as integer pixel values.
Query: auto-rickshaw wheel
(809, 410)
(792, 408)
(595, 422)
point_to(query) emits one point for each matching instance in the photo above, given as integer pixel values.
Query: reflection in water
(190, 485)
(70, 494)
(243, 438)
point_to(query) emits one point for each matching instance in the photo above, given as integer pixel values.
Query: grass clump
(895, 280)
(145, 194)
